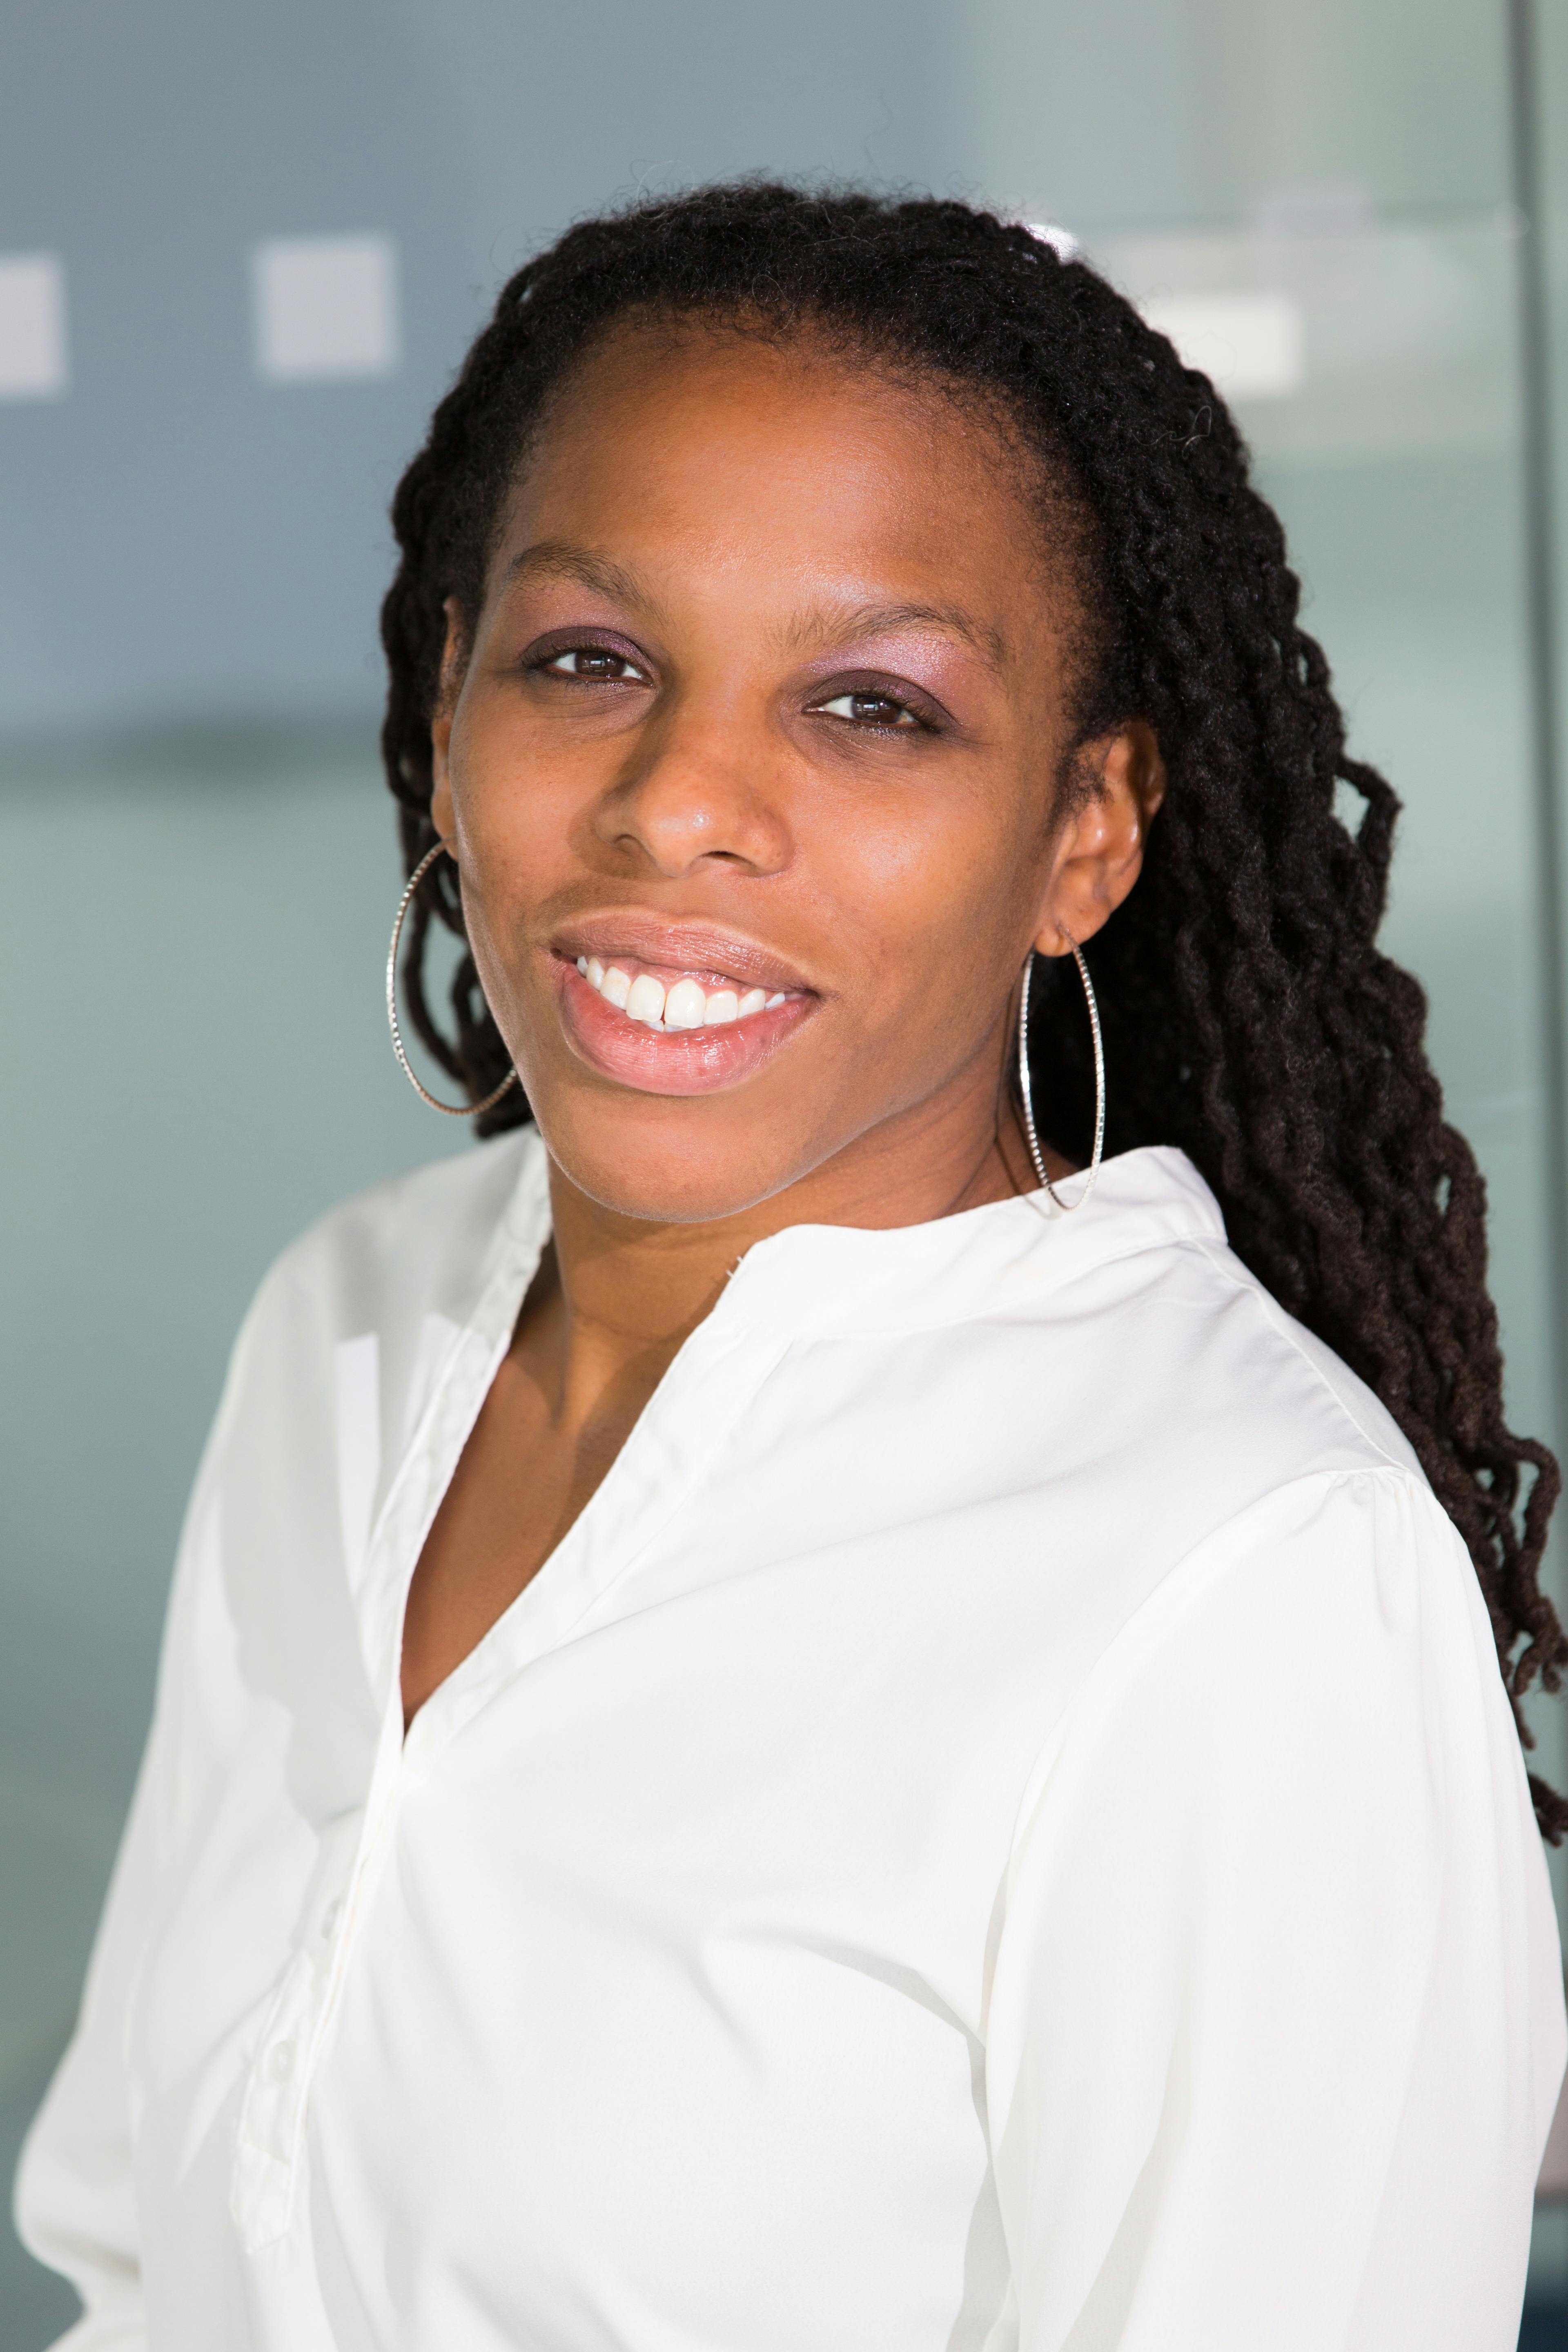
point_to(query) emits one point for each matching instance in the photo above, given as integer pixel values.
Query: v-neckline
(724, 1359)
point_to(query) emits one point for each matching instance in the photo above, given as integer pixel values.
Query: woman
(784, 1723)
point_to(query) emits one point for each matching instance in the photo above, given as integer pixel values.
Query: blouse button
(329, 1919)
(281, 2061)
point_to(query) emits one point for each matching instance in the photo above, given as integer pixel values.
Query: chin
(674, 1167)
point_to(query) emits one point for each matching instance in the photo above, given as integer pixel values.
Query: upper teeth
(684, 1005)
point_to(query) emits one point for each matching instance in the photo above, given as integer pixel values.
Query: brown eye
(864, 709)
(594, 662)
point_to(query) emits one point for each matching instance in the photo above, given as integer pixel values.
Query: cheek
(519, 817)
(941, 898)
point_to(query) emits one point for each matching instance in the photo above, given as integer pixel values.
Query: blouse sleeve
(75, 2205)
(1275, 2024)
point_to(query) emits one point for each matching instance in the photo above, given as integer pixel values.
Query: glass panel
(1388, 436)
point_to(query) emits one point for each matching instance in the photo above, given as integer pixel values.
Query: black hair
(1248, 1015)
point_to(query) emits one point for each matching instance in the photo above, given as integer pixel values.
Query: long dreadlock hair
(1249, 1017)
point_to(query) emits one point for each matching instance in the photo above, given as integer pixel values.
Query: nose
(700, 791)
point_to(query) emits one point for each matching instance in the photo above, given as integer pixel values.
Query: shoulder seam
(1240, 1279)
(1158, 1612)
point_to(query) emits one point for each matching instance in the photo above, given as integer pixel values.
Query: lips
(675, 950)
(674, 1009)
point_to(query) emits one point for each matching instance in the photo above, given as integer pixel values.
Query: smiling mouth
(687, 1026)
(686, 1001)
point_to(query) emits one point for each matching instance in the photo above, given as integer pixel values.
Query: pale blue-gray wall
(198, 863)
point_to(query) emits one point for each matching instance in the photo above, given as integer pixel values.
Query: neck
(617, 1294)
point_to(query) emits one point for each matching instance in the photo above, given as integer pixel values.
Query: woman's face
(751, 769)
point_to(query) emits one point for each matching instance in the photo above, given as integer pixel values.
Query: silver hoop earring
(1025, 1090)
(452, 1110)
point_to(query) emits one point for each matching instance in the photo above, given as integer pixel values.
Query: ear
(1120, 782)
(454, 662)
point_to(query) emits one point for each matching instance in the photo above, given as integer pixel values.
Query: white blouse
(999, 1827)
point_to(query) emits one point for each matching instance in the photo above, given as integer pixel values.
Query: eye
(597, 663)
(865, 708)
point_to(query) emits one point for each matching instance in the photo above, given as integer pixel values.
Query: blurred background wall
(242, 249)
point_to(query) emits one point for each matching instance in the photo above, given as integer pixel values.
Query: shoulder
(1166, 1395)
(1297, 1608)
(1166, 1402)
(419, 1245)
(1337, 1574)
(1207, 1362)
(348, 1335)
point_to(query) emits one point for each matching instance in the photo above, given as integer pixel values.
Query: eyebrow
(833, 627)
(822, 629)
(564, 560)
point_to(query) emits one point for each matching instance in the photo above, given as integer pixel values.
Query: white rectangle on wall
(1251, 346)
(33, 362)
(325, 308)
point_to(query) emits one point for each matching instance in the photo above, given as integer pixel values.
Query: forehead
(736, 448)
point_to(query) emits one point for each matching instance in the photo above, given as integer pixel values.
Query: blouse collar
(820, 1280)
